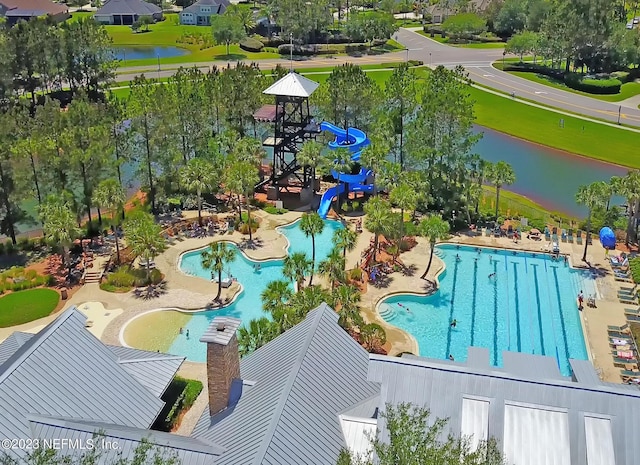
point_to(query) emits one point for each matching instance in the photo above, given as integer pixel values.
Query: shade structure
(607, 238)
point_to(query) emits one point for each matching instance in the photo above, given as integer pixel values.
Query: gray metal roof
(64, 371)
(221, 329)
(123, 441)
(442, 387)
(292, 85)
(220, 4)
(10, 345)
(302, 380)
(128, 7)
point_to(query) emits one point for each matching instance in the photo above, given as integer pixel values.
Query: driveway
(477, 62)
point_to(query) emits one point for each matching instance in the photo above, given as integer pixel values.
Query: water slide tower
(293, 125)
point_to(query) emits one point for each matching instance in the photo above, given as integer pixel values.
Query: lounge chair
(563, 236)
(579, 237)
(627, 299)
(623, 279)
(632, 318)
(631, 311)
(629, 373)
(627, 363)
(628, 290)
(621, 341)
(510, 232)
(624, 327)
(618, 262)
(570, 236)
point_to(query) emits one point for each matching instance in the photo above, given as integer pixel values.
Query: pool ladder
(388, 313)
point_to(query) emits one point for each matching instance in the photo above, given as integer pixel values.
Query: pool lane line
(562, 325)
(495, 315)
(473, 302)
(539, 305)
(531, 338)
(553, 325)
(517, 304)
(506, 281)
(453, 293)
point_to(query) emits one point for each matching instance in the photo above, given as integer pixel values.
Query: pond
(141, 53)
(547, 176)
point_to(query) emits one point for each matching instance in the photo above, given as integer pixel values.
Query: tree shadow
(151, 291)
(217, 304)
(383, 282)
(254, 244)
(409, 270)
(230, 57)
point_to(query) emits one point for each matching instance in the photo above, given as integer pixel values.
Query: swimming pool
(247, 305)
(529, 306)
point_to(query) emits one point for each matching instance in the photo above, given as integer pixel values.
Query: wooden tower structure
(293, 125)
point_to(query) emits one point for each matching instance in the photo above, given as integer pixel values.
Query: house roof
(10, 345)
(128, 7)
(64, 371)
(292, 85)
(36, 6)
(220, 6)
(293, 392)
(124, 440)
(538, 419)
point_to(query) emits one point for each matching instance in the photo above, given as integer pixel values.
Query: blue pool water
(248, 304)
(530, 306)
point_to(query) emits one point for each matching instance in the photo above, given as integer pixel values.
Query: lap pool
(528, 306)
(248, 304)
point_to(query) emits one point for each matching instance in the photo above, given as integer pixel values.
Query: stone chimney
(223, 360)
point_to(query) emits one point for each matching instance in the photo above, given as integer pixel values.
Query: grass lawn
(514, 205)
(25, 306)
(591, 139)
(628, 89)
(445, 40)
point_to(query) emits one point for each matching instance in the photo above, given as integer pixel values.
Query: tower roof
(293, 85)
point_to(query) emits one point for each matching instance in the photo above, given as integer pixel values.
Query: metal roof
(121, 441)
(221, 329)
(10, 345)
(128, 7)
(64, 371)
(292, 85)
(442, 387)
(220, 4)
(301, 381)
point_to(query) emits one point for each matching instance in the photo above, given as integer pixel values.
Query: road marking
(488, 75)
(540, 92)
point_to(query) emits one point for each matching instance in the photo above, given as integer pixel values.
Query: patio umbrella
(607, 238)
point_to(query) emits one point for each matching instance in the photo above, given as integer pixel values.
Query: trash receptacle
(63, 293)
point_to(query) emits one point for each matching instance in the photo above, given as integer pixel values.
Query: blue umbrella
(607, 238)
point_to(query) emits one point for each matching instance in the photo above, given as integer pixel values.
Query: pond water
(547, 176)
(141, 53)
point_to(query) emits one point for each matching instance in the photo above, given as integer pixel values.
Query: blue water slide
(354, 139)
(327, 198)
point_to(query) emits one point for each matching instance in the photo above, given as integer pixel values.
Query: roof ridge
(465, 370)
(29, 346)
(151, 359)
(268, 437)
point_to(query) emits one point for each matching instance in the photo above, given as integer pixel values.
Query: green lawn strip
(445, 41)
(516, 205)
(628, 89)
(591, 139)
(24, 306)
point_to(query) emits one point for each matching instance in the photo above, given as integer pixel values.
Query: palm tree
(629, 188)
(310, 154)
(404, 197)
(345, 300)
(307, 299)
(592, 196)
(311, 225)
(333, 267)
(373, 156)
(59, 224)
(144, 238)
(242, 176)
(345, 239)
(372, 337)
(295, 267)
(389, 175)
(198, 176)
(214, 258)
(435, 228)
(378, 219)
(275, 296)
(244, 15)
(259, 332)
(501, 174)
(110, 195)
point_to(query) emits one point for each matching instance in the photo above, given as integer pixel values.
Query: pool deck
(188, 292)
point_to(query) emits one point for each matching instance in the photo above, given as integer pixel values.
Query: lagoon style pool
(528, 306)
(248, 304)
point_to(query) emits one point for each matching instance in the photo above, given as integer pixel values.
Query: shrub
(2, 248)
(25, 244)
(356, 274)
(410, 229)
(251, 45)
(623, 76)
(121, 278)
(9, 248)
(593, 86)
(355, 205)
(634, 266)
(275, 211)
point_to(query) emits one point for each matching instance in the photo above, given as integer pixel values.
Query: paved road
(477, 63)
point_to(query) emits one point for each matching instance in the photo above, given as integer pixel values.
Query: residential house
(127, 12)
(16, 10)
(64, 383)
(200, 12)
(442, 10)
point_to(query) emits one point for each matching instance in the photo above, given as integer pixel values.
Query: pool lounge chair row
(629, 376)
